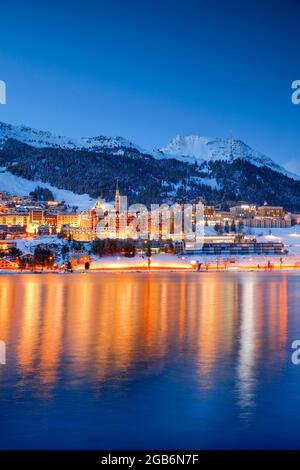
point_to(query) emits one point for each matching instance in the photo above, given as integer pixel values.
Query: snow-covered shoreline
(289, 260)
(207, 267)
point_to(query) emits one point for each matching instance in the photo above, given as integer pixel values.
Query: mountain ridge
(149, 178)
(190, 148)
(199, 148)
(42, 139)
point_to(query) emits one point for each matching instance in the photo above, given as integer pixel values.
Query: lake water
(149, 360)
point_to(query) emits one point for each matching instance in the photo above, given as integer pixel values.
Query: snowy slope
(193, 148)
(22, 187)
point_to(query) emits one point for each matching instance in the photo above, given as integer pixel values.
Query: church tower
(117, 198)
(117, 209)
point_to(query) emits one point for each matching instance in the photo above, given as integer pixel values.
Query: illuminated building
(71, 219)
(8, 264)
(80, 234)
(36, 216)
(98, 212)
(52, 203)
(117, 199)
(86, 220)
(6, 245)
(268, 222)
(270, 211)
(243, 210)
(11, 219)
(51, 221)
(121, 216)
(209, 213)
(235, 248)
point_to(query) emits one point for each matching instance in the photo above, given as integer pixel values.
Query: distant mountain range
(189, 167)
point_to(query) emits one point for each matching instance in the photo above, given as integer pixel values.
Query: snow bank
(22, 187)
(163, 261)
(290, 237)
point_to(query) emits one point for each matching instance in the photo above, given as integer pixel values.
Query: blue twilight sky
(148, 70)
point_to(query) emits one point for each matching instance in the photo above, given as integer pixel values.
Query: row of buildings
(252, 216)
(21, 217)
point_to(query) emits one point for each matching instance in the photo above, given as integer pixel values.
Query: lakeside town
(40, 234)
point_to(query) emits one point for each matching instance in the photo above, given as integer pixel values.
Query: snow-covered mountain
(193, 148)
(44, 139)
(187, 149)
(226, 170)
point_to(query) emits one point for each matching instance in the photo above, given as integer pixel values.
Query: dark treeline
(13, 252)
(42, 194)
(113, 247)
(42, 257)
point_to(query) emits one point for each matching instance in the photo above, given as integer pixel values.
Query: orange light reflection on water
(101, 326)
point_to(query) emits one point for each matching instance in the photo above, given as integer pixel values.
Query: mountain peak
(198, 148)
(43, 139)
(193, 146)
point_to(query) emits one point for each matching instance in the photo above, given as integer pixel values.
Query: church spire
(117, 208)
(117, 198)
